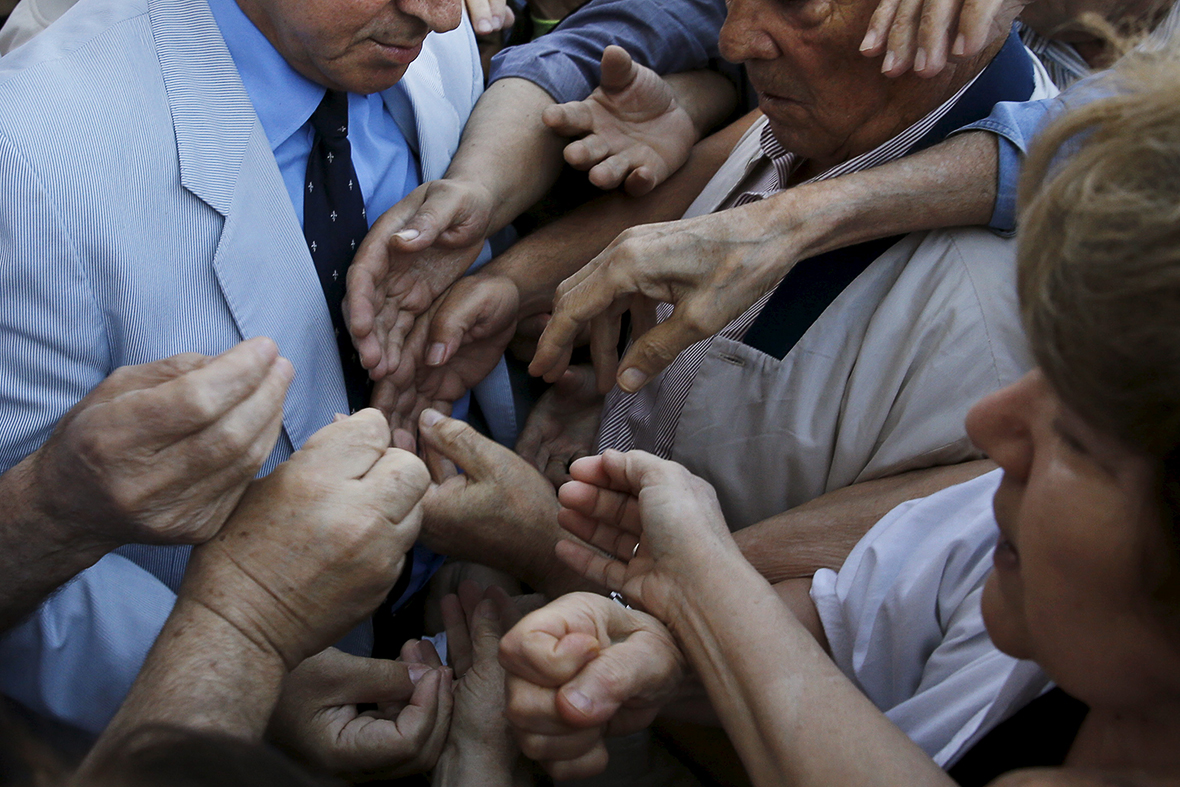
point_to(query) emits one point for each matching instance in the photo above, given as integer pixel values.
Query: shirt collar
(282, 97)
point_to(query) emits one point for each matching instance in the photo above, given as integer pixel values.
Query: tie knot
(331, 117)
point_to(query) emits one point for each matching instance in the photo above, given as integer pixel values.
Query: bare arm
(821, 533)
(538, 263)
(37, 553)
(712, 268)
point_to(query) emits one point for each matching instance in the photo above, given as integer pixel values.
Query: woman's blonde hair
(1099, 261)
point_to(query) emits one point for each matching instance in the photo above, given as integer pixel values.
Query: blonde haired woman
(1087, 503)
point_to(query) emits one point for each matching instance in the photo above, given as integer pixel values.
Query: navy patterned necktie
(334, 223)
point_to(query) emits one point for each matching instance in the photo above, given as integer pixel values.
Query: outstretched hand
(710, 268)
(927, 34)
(161, 453)
(583, 668)
(658, 524)
(453, 346)
(631, 130)
(411, 255)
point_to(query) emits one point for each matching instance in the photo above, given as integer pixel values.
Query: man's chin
(374, 76)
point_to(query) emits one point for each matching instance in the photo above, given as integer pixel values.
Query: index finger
(196, 399)
(592, 294)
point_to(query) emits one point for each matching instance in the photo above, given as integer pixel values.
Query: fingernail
(483, 27)
(580, 701)
(436, 354)
(890, 60)
(870, 41)
(960, 46)
(920, 59)
(406, 234)
(632, 380)
(417, 672)
(430, 416)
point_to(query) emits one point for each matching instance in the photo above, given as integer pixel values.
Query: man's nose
(743, 36)
(439, 15)
(1001, 423)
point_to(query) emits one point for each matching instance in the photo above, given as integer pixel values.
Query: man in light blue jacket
(154, 165)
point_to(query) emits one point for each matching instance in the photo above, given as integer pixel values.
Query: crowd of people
(610, 392)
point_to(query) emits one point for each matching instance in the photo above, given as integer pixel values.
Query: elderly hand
(580, 669)
(488, 16)
(453, 347)
(479, 749)
(500, 512)
(412, 254)
(161, 453)
(662, 525)
(632, 130)
(710, 268)
(316, 545)
(919, 33)
(563, 425)
(318, 721)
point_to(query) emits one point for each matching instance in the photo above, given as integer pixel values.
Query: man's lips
(399, 53)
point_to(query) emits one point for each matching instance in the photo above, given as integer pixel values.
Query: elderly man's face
(825, 101)
(362, 46)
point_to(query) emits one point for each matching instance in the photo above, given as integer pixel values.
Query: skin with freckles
(360, 46)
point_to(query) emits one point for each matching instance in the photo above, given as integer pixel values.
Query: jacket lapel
(262, 262)
(432, 121)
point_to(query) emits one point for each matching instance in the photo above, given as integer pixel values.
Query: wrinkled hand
(618, 500)
(710, 268)
(580, 669)
(161, 453)
(453, 347)
(919, 33)
(500, 512)
(480, 749)
(488, 16)
(632, 130)
(563, 425)
(417, 249)
(318, 721)
(316, 545)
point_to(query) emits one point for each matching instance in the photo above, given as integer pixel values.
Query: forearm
(821, 533)
(507, 150)
(952, 184)
(202, 674)
(706, 96)
(792, 716)
(540, 262)
(38, 553)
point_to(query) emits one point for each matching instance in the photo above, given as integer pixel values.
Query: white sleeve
(904, 623)
(76, 657)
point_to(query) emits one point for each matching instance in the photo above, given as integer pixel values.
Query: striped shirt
(631, 420)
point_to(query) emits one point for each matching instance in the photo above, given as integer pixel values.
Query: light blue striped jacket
(142, 214)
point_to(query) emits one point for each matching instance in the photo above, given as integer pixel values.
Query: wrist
(38, 503)
(475, 764)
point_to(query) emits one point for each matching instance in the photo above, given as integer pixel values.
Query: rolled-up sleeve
(667, 36)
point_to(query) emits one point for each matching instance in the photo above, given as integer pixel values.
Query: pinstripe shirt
(629, 420)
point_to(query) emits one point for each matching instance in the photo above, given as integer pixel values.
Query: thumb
(486, 632)
(477, 455)
(651, 352)
(620, 673)
(362, 680)
(618, 70)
